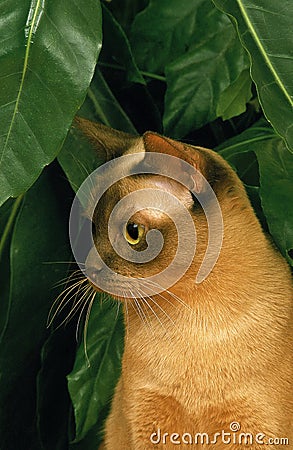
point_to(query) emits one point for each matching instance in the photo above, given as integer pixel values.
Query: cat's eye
(134, 232)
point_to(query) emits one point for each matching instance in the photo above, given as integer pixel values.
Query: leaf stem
(145, 74)
(9, 223)
(246, 141)
(265, 54)
(97, 106)
(24, 71)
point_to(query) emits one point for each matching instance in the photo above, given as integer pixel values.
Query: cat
(200, 359)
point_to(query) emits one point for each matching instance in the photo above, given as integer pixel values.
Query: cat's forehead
(145, 185)
(144, 197)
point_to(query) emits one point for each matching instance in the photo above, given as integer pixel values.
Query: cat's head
(162, 191)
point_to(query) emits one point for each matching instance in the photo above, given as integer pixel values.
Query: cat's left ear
(108, 142)
(192, 155)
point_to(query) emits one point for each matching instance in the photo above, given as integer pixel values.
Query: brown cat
(203, 362)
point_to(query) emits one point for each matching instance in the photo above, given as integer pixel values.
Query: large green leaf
(116, 48)
(95, 436)
(39, 237)
(233, 99)
(247, 141)
(53, 402)
(8, 214)
(197, 48)
(196, 80)
(276, 174)
(47, 59)
(105, 107)
(92, 381)
(276, 191)
(77, 157)
(264, 27)
(164, 31)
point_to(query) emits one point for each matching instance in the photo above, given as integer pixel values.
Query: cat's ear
(193, 156)
(211, 165)
(108, 142)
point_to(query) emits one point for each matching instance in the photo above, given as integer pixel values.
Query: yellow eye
(134, 233)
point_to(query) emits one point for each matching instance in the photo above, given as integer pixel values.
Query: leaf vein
(24, 71)
(262, 50)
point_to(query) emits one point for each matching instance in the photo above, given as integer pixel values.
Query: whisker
(90, 304)
(145, 296)
(78, 301)
(72, 273)
(67, 291)
(153, 311)
(74, 310)
(172, 321)
(171, 294)
(155, 293)
(118, 309)
(135, 303)
(61, 302)
(80, 317)
(167, 315)
(76, 275)
(126, 312)
(146, 320)
(139, 309)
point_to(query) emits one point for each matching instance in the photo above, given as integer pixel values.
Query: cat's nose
(93, 266)
(93, 273)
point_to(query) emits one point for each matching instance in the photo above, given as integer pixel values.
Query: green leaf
(91, 387)
(47, 59)
(53, 402)
(197, 79)
(116, 48)
(197, 48)
(276, 173)
(39, 237)
(95, 436)
(263, 27)
(246, 166)
(78, 158)
(233, 99)
(247, 141)
(163, 31)
(276, 191)
(8, 214)
(105, 106)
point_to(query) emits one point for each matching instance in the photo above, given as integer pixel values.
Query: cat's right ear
(108, 142)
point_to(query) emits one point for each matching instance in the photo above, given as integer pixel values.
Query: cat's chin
(95, 287)
(100, 291)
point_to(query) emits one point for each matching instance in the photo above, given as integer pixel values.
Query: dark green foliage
(183, 68)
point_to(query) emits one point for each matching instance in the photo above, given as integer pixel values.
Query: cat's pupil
(132, 230)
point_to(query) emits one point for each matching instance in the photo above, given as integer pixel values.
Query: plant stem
(247, 141)
(146, 74)
(97, 106)
(9, 223)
